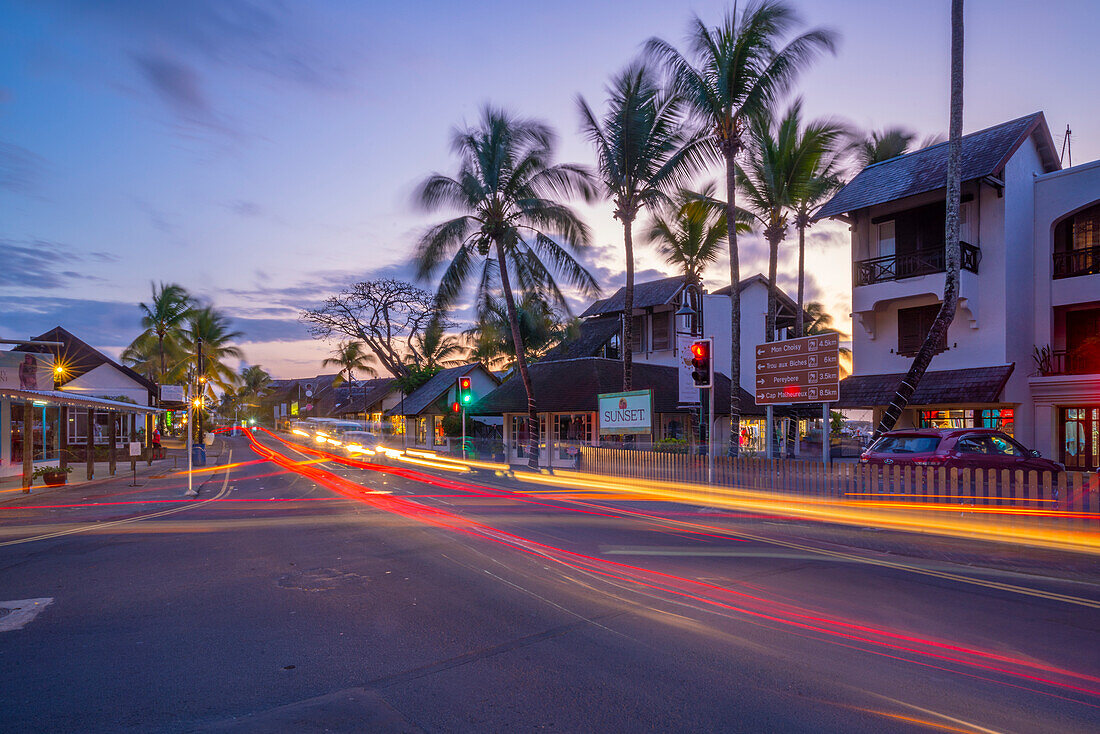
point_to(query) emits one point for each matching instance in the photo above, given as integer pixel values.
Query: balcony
(1063, 362)
(912, 264)
(1071, 263)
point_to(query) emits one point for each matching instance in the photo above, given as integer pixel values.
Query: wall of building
(106, 381)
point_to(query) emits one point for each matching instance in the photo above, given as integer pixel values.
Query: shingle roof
(428, 393)
(646, 295)
(983, 153)
(594, 333)
(572, 385)
(363, 395)
(946, 387)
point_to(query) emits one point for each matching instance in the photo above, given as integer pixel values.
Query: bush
(671, 446)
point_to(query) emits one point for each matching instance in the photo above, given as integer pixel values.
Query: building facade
(1029, 291)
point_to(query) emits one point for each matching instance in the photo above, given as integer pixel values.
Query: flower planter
(55, 480)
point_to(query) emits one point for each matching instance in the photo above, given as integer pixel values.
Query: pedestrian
(156, 444)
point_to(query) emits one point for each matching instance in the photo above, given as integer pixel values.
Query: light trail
(1026, 673)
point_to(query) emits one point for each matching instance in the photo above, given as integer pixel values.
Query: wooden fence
(1072, 494)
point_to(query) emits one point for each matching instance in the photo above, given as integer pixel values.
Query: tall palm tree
(689, 234)
(876, 146)
(209, 326)
(821, 322)
(164, 318)
(740, 68)
(952, 253)
(506, 189)
(349, 356)
(642, 148)
(816, 179)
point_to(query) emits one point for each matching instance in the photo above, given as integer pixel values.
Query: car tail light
(934, 460)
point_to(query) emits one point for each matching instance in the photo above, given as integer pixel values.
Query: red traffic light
(700, 350)
(464, 383)
(455, 407)
(702, 373)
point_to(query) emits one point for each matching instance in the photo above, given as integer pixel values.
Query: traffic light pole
(710, 436)
(464, 432)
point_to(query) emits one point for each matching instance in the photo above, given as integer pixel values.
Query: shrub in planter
(51, 476)
(672, 446)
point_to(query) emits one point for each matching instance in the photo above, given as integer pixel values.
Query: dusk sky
(263, 154)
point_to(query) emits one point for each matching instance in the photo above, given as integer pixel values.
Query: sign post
(793, 371)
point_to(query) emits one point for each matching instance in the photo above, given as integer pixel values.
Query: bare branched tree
(386, 315)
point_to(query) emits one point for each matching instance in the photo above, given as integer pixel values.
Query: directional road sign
(805, 370)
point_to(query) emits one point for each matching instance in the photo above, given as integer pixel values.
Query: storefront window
(421, 431)
(752, 435)
(1081, 438)
(520, 436)
(397, 425)
(1001, 419)
(439, 437)
(570, 431)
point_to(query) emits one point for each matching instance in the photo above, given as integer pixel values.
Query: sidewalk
(11, 492)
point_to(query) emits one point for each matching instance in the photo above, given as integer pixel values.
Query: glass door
(1080, 444)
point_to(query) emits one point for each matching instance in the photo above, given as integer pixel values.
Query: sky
(263, 154)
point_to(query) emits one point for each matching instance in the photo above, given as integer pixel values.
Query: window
(421, 431)
(913, 326)
(662, 339)
(1001, 419)
(1003, 447)
(637, 336)
(612, 348)
(971, 445)
(439, 437)
(886, 239)
(906, 444)
(520, 436)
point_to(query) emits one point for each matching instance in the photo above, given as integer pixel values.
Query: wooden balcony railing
(1077, 362)
(910, 265)
(1084, 261)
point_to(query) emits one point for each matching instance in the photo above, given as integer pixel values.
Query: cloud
(267, 330)
(245, 208)
(40, 264)
(96, 322)
(176, 83)
(20, 169)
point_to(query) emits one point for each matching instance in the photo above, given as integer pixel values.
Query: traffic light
(465, 394)
(456, 407)
(702, 365)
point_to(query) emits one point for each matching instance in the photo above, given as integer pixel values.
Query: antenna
(1067, 148)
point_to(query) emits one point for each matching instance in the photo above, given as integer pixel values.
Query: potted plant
(52, 476)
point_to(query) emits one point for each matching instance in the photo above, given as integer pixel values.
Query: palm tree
(740, 69)
(540, 325)
(689, 234)
(349, 356)
(504, 189)
(641, 149)
(207, 325)
(435, 349)
(163, 318)
(876, 146)
(821, 322)
(952, 253)
(816, 178)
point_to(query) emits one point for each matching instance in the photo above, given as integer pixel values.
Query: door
(1080, 439)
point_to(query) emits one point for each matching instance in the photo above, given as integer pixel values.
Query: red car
(956, 448)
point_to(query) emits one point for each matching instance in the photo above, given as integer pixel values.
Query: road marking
(132, 519)
(14, 615)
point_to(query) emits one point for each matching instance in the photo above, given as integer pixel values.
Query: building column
(28, 444)
(112, 440)
(90, 457)
(63, 439)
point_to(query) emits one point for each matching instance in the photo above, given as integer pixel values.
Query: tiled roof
(572, 385)
(646, 295)
(432, 390)
(947, 387)
(984, 153)
(593, 334)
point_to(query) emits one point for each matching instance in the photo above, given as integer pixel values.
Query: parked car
(955, 448)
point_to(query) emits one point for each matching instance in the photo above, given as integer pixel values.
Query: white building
(1018, 354)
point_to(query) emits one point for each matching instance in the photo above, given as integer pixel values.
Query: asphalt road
(296, 595)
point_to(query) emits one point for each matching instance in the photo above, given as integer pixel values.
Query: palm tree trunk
(628, 304)
(773, 267)
(735, 304)
(800, 326)
(951, 245)
(521, 362)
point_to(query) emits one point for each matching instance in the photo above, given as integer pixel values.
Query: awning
(58, 397)
(947, 387)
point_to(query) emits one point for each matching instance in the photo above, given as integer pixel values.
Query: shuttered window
(913, 325)
(662, 338)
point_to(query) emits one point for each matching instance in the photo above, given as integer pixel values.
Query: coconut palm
(952, 252)
(163, 318)
(207, 325)
(507, 190)
(740, 68)
(642, 148)
(875, 146)
(821, 322)
(815, 179)
(349, 357)
(541, 326)
(689, 233)
(435, 349)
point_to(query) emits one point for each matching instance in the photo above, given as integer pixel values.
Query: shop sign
(26, 370)
(172, 393)
(625, 412)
